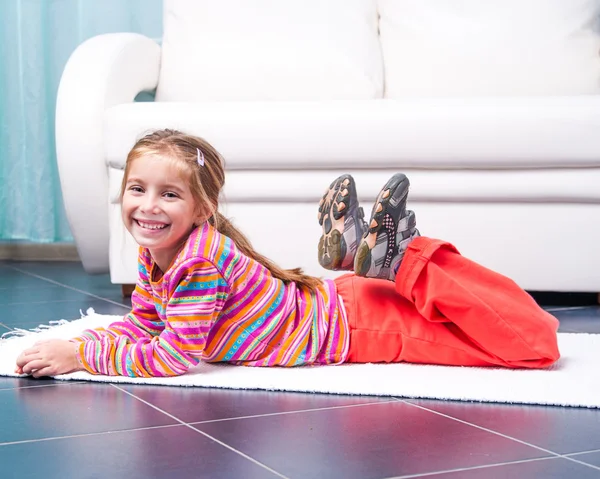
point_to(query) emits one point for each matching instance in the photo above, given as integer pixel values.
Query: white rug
(573, 381)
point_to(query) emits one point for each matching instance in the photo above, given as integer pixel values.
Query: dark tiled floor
(72, 429)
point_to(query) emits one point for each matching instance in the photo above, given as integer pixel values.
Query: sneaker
(390, 231)
(343, 223)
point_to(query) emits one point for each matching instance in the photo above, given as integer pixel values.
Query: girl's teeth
(151, 227)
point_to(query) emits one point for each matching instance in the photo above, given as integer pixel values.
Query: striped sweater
(216, 304)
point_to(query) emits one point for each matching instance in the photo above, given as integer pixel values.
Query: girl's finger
(34, 366)
(23, 359)
(40, 373)
(30, 351)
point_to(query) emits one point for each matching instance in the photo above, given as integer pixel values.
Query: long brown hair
(205, 184)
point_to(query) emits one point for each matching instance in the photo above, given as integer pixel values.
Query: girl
(204, 293)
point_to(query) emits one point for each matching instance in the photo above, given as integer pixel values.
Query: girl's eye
(170, 194)
(137, 189)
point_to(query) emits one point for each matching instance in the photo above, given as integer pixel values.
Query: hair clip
(200, 157)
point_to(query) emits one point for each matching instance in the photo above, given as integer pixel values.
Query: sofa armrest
(104, 71)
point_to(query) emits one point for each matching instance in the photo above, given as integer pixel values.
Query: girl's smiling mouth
(151, 225)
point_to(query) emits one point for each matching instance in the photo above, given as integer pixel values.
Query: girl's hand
(49, 358)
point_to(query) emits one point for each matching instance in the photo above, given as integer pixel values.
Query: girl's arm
(60, 356)
(143, 320)
(197, 300)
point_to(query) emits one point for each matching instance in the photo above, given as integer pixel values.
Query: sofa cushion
(490, 47)
(530, 241)
(480, 133)
(270, 50)
(561, 186)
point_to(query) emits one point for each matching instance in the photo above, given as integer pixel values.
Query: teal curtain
(36, 39)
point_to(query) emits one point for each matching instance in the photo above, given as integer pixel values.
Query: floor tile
(347, 440)
(567, 330)
(585, 320)
(374, 441)
(548, 469)
(42, 285)
(171, 452)
(558, 299)
(54, 269)
(25, 382)
(54, 411)
(73, 275)
(558, 309)
(31, 315)
(11, 279)
(592, 458)
(205, 404)
(69, 273)
(39, 295)
(559, 429)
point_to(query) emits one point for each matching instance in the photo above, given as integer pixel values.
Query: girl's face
(158, 208)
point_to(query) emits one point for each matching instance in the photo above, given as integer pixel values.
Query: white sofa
(491, 108)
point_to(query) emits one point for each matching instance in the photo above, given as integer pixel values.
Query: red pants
(446, 309)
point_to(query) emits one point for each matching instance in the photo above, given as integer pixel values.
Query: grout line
(283, 413)
(568, 308)
(69, 287)
(202, 433)
(483, 466)
(5, 326)
(27, 287)
(499, 434)
(477, 426)
(75, 436)
(582, 452)
(58, 383)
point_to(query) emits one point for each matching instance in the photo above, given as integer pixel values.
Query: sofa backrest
(270, 50)
(490, 47)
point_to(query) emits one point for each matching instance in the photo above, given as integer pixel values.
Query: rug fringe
(19, 333)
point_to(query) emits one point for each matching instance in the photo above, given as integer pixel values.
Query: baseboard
(38, 252)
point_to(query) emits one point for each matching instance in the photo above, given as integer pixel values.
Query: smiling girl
(204, 294)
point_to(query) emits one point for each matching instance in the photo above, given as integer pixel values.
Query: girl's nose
(150, 204)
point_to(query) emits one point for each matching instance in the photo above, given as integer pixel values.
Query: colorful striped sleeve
(142, 322)
(197, 294)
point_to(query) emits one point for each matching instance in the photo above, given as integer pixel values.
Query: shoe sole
(392, 195)
(332, 245)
